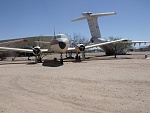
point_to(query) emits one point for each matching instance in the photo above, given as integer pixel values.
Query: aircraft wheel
(55, 59)
(61, 61)
(79, 58)
(36, 60)
(76, 58)
(40, 59)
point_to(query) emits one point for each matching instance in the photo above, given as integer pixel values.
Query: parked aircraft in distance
(12, 43)
(95, 31)
(59, 44)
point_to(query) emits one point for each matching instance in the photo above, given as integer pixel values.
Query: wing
(105, 43)
(99, 44)
(71, 49)
(44, 51)
(140, 41)
(135, 42)
(22, 50)
(17, 49)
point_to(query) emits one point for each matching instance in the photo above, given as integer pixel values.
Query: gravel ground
(100, 84)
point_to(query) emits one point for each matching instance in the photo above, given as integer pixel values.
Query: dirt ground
(100, 84)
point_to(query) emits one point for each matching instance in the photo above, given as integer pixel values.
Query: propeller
(80, 48)
(36, 51)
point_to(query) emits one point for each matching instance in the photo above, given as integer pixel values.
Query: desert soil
(98, 85)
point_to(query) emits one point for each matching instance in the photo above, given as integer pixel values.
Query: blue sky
(23, 18)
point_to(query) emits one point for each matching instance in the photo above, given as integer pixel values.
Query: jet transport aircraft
(59, 44)
(95, 31)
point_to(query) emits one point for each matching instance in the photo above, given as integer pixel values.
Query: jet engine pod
(36, 51)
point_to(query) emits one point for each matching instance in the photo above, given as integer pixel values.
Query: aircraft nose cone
(62, 45)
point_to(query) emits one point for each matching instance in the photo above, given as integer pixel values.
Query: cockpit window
(63, 36)
(59, 36)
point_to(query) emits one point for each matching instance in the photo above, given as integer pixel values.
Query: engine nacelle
(37, 51)
(79, 48)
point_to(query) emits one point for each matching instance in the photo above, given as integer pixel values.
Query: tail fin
(92, 22)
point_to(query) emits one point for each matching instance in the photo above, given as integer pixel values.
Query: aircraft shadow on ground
(80, 61)
(31, 63)
(107, 57)
(51, 63)
(72, 59)
(8, 63)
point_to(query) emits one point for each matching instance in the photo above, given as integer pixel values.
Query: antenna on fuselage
(54, 31)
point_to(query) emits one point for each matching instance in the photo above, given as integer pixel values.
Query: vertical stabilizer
(93, 23)
(94, 27)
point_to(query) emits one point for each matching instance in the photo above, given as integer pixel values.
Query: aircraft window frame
(63, 36)
(58, 36)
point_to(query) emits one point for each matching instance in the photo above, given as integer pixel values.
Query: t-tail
(93, 24)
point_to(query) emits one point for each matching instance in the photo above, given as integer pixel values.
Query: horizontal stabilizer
(80, 18)
(89, 14)
(102, 14)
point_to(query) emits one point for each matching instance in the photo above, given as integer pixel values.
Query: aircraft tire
(61, 61)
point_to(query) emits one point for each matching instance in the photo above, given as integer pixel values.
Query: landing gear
(70, 55)
(29, 58)
(83, 55)
(78, 58)
(13, 58)
(55, 59)
(38, 59)
(66, 55)
(61, 59)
